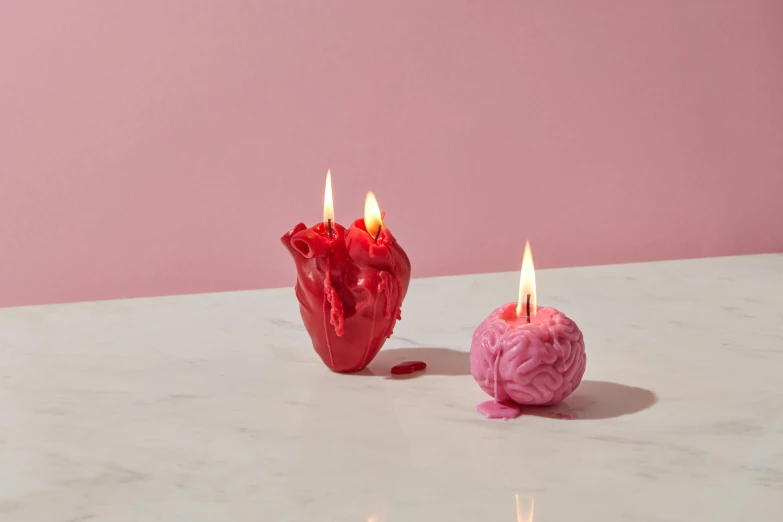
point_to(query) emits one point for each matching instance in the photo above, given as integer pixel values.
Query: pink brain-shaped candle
(535, 363)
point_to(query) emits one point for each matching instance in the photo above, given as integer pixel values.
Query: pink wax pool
(521, 363)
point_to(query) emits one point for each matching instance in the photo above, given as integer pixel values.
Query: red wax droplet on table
(408, 367)
(563, 416)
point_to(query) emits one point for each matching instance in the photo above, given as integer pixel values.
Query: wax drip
(384, 287)
(327, 286)
(495, 369)
(372, 332)
(398, 304)
(337, 315)
(326, 332)
(497, 409)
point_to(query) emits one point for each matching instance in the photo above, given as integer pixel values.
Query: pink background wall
(163, 146)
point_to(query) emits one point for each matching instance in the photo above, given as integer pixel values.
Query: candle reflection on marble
(524, 509)
(525, 355)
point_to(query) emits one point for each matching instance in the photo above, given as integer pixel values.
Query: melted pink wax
(496, 409)
(407, 367)
(340, 279)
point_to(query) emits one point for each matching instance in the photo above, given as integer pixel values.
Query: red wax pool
(408, 367)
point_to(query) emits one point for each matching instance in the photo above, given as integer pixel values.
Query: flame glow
(372, 215)
(524, 513)
(328, 204)
(527, 284)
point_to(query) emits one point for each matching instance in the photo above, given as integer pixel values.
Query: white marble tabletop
(215, 407)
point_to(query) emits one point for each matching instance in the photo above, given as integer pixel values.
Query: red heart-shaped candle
(350, 286)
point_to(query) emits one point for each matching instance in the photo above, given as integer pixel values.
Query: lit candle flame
(373, 221)
(328, 204)
(527, 284)
(526, 514)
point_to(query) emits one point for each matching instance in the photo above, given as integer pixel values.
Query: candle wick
(378, 234)
(528, 308)
(329, 224)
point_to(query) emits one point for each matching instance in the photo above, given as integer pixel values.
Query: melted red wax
(341, 277)
(408, 367)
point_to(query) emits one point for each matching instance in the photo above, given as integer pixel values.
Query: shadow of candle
(595, 400)
(440, 361)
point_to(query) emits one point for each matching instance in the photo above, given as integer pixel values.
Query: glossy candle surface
(350, 288)
(535, 363)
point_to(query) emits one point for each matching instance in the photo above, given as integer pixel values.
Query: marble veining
(215, 407)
